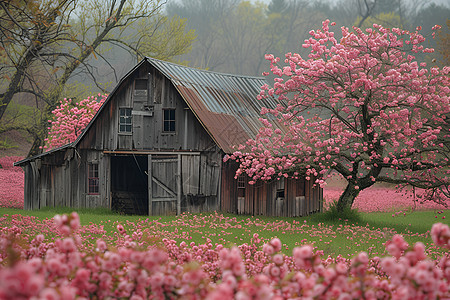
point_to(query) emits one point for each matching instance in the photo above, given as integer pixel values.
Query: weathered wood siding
(60, 180)
(200, 177)
(147, 119)
(280, 197)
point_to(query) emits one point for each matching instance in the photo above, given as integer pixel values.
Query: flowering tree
(69, 120)
(361, 106)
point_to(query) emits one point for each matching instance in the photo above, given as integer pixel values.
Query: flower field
(381, 199)
(59, 258)
(11, 183)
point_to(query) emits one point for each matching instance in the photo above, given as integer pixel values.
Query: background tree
(46, 43)
(362, 106)
(387, 20)
(244, 36)
(444, 44)
(233, 36)
(427, 17)
(205, 17)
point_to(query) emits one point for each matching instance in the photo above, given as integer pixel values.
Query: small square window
(93, 179)
(169, 120)
(125, 120)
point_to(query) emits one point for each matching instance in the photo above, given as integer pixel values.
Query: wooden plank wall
(300, 198)
(60, 180)
(228, 196)
(201, 178)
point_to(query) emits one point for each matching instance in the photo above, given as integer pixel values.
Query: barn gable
(158, 117)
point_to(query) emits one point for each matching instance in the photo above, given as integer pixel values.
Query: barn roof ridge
(202, 70)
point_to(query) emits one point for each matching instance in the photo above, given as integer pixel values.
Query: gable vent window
(125, 120)
(169, 120)
(140, 87)
(93, 181)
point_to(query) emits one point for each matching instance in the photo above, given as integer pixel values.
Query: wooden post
(179, 185)
(150, 184)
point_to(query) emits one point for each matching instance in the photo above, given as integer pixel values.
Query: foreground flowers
(66, 269)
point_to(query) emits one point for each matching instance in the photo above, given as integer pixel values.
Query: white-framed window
(168, 120)
(125, 120)
(93, 179)
(241, 185)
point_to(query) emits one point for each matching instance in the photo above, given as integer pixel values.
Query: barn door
(164, 184)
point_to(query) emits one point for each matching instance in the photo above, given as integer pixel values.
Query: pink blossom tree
(362, 106)
(69, 120)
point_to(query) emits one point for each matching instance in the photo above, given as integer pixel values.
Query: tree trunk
(41, 132)
(35, 147)
(347, 197)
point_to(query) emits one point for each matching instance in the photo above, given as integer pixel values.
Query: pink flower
(121, 229)
(278, 259)
(304, 252)
(276, 244)
(440, 233)
(101, 245)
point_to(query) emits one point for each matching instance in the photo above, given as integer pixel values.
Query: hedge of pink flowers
(11, 183)
(137, 268)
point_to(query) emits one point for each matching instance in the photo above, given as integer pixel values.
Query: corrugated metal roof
(225, 104)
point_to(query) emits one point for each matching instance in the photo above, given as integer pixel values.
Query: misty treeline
(234, 35)
(52, 49)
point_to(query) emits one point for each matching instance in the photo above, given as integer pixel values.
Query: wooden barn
(156, 147)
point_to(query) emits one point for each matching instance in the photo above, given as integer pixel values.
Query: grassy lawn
(364, 232)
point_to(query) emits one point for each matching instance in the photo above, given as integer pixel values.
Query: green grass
(362, 232)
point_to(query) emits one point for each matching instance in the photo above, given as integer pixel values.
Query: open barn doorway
(129, 184)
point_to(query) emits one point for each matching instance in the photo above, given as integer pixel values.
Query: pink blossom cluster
(11, 183)
(69, 120)
(62, 268)
(362, 107)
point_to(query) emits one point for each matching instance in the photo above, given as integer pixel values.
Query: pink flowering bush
(69, 120)
(64, 268)
(11, 183)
